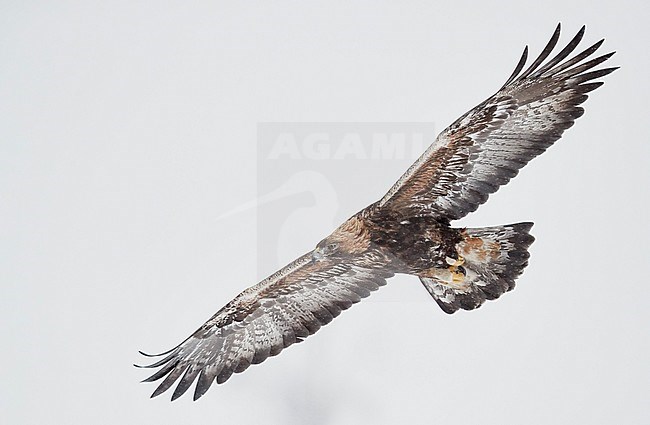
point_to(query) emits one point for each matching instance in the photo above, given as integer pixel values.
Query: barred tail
(489, 261)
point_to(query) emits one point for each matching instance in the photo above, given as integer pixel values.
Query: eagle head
(351, 237)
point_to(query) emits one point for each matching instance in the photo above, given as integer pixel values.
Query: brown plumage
(407, 231)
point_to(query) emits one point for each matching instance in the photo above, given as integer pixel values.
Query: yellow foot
(457, 277)
(457, 272)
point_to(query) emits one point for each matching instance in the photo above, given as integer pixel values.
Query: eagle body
(408, 230)
(410, 244)
(418, 243)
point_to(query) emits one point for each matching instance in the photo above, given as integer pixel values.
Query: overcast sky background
(128, 128)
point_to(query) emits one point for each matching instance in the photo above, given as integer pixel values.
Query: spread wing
(488, 145)
(268, 317)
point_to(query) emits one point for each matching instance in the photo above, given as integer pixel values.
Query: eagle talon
(455, 262)
(456, 269)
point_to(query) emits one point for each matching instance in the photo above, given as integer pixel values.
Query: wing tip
(176, 394)
(558, 65)
(520, 65)
(158, 391)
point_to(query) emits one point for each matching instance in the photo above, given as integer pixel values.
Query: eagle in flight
(408, 230)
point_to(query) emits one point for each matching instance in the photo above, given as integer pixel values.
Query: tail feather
(489, 261)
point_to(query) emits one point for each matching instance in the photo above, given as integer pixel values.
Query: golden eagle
(408, 230)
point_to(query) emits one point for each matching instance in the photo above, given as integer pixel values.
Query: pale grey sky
(127, 128)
